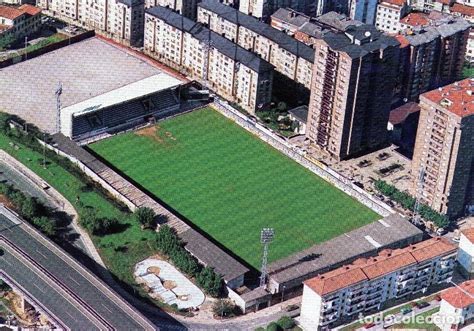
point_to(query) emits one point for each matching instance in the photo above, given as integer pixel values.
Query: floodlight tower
(266, 237)
(419, 190)
(58, 93)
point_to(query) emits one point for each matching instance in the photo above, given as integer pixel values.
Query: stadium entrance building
(122, 108)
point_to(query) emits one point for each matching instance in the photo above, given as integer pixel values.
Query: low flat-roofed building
(466, 252)
(368, 283)
(300, 116)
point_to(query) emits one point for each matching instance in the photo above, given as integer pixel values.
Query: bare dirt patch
(150, 132)
(169, 284)
(154, 270)
(4, 200)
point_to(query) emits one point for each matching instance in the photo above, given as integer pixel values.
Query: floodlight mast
(58, 93)
(266, 237)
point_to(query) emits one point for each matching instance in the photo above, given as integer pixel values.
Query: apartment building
(230, 70)
(443, 149)
(369, 283)
(263, 9)
(292, 58)
(431, 55)
(364, 10)
(457, 307)
(339, 6)
(466, 252)
(121, 20)
(352, 88)
(466, 11)
(389, 13)
(17, 22)
(186, 8)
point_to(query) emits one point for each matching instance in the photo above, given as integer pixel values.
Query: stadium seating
(128, 113)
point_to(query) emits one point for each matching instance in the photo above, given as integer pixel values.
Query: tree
(286, 322)
(166, 240)
(273, 326)
(45, 225)
(146, 217)
(184, 261)
(224, 308)
(6, 41)
(103, 226)
(29, 207)
(210, 281)
(88, 218)
(4, 118)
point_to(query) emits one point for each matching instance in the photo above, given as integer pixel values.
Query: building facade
(443, 149)
(466, 251)
(364, 10)
(121, 20)
(389, 14)
(17, 22)
(457, 307)
(186, 8)
(368, 283)
(290, 57)
(352, 88)
(230, 70)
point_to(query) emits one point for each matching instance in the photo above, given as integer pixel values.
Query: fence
(299, 156)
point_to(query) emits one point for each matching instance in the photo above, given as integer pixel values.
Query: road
(86, 293)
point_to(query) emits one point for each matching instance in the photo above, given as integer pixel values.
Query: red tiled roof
(386, 262)
(416, 19)
(444, 2)
(400, 114)
(336, 279)
(402, 40)
(462, 9)
(457, 98)
(10, 12)
(29, 9)
(459, 298)
(429, 249)
(469, 234)
(400, 3)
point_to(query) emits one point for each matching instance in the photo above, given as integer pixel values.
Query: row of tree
(408, 202)
(30, 209)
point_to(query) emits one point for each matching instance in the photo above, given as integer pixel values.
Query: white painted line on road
(75, 281)
(4, 260)
(39, 288)
(107, 308)
(37, 251)
(70, 315)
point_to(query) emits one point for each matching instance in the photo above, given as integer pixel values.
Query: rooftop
(387, 261)
(85, 69)
(202, 33)
(387, 232)
(416, 19)
(469, 234)
(300, 113)
(398, 3)
(10, 13)
(457, 98)
(462, 9)
(459, 298)
(400, 114)
(282, 39)
(358, 41)
(291, 16)
(29, 9)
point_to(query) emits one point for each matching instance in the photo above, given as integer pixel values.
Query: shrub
(286, 322)
(45, 225)
(210, 281)
(103, 226)
(224, 308)
(146, 217)
(273, 326)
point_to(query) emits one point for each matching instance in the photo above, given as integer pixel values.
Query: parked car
(405, 311)
(440, 231)
(422, 304)
(438, 297)
(369, 325)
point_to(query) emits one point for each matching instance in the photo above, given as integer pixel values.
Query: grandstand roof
(85, 69)
(125, 93)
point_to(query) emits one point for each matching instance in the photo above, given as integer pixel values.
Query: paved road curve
(32, 261)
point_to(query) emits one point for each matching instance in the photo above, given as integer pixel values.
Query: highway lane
(55, 261)
(44, 294)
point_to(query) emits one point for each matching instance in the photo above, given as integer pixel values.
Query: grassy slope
(120, 263)
(231, 184)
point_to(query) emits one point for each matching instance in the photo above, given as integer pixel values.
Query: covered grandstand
(122, 108)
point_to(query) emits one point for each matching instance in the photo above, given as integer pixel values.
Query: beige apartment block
(186, 8)
(228, 69)
(121, 20)
(368, 283)
(352, 87)
(291, 58)
(389, 13)
(444, 149)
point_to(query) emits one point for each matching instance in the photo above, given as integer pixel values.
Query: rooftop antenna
(266, 237)
(419, 190)
(58, 93)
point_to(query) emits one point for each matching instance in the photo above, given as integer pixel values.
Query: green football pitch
(230, 184)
